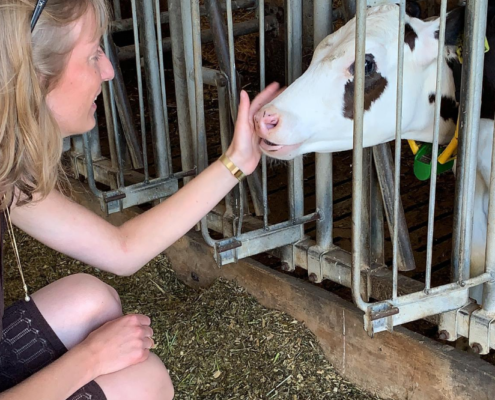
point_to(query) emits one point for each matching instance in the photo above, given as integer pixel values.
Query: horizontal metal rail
(240, 29)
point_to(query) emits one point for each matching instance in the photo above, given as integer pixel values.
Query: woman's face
(72, 100)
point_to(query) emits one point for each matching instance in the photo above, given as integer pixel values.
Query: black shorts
(28, 344)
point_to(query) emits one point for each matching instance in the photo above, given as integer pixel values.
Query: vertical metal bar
(180, 82)
(94, 140)
(89, 167)
(398, 137)
(471, 86)
(261, 16)
(153, 88)
(377, 237)
(357, 156)
(111, 128)
(200, 123)
(489, 287)
(162, 81)
(225, 139)
(198, 79)
(323, 25)
(294, 70)
(188, 54)
(117, 10)
(118, 141)
(434, 157)
(385, 171)
(234, 98)
(140, 91)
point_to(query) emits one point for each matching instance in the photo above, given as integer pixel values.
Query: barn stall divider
(387, 297)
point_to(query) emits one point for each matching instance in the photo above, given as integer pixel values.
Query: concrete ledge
(399, 365)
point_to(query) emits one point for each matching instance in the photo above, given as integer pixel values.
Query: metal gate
(127, 174)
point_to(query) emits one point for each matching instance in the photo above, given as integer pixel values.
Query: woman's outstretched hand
(244, 150)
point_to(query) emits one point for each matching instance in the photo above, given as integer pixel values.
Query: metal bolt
(312, 277)
(477, 348)
(285, 266)
(462, 283)
(444, 335)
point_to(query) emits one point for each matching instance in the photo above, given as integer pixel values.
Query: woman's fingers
(264, 97)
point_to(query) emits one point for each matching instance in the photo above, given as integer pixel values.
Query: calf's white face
(315, 113)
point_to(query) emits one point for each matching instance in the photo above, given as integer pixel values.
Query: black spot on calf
(448, 109)
(374, 85)
(410, 36)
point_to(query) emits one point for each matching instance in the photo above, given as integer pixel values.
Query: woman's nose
(106, 68)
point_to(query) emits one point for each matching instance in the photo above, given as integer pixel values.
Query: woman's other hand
(244, 150)
(119, 344)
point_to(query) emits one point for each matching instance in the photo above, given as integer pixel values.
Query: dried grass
(218, 343)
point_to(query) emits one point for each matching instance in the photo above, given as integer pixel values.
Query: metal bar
(261, 33)
(89, 168)
(111, 129)
(187, 39)
(377, 231)
(264, 178)
(489, 287)
(153, 88)
(123, 25)
(471, 89)
(118, 142)
(94, 141)
(139, 193)
(180, 82)
(357, 157)
(398, 137)
(232, 197)
(116, 10)
(140, 91)
(419, 305)
(323, 26)
(436, 132)
(240, 29)
(294, 70)
(385, 172)
(163, 87)
(222, 42)
(202, 159)
(259, 241)
(124, 109)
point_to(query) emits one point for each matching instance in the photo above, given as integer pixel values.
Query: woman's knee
(148, 380)
(76, 305)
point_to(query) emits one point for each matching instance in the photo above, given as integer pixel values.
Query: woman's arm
(73, 230)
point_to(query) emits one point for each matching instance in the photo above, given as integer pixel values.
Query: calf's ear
(454, 26)
(428, 32)
(413, 9)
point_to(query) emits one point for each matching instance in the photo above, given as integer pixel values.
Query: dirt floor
(218, 343)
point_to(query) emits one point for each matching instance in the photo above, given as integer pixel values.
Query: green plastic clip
(422, 163)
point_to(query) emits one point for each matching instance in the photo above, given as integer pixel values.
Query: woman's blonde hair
(30, 66)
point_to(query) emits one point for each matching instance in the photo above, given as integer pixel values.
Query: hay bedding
(218, 343)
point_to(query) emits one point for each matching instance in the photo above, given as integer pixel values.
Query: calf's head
(315, 113)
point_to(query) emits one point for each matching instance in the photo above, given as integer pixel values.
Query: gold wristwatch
(234, 170)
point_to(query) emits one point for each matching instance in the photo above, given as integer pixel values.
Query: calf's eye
(369, 65)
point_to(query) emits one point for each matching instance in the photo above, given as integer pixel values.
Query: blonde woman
(70, 339)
